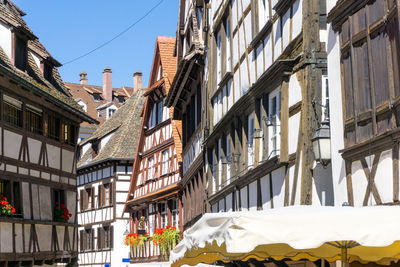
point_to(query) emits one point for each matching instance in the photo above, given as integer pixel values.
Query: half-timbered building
(364, 81)
(266, 86)
(39, 123)
(104, 172)
(186, 97)
(155, 190)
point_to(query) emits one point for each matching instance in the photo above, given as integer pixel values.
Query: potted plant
(61, 213)
(5, 208)
(166, 239)
(135, 240)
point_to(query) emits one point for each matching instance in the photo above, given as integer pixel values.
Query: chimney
(107, 84)
(83, 78)
(137, 81)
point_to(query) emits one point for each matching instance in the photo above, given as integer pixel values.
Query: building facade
(363, 66)
(39, 128)
(104, 172)
(155, 190)
(101, 102)
(187, 96)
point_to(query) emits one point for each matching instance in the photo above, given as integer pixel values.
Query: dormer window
(120, 100)
(48, 71)
(110, 112)
(20, 50)
(96, 149)
(96, 97)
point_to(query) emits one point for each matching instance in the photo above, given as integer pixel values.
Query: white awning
(369, 234)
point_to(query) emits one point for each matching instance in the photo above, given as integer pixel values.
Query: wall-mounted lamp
(268, 121)
(321, 140)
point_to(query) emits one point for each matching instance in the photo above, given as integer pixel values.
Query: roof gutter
(103, 161)
(39, 91)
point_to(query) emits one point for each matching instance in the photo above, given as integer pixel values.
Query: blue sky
(70, 28)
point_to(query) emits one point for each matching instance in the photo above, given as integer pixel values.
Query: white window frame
(165, 160)
(229, 158)
(219, 55)
(250, 140)
(150, 170)
(274, 117)
(219, 177)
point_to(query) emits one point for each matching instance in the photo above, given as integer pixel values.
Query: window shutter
(111, 237)
(85, 238)
(111, 193)
(99, 196)
(84, 199)
(81, 238)
(99, 246)
(92, 195)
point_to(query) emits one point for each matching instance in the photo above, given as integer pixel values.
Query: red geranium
(5, 207)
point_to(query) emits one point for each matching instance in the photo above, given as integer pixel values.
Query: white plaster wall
(5, 237)
(294, 90)
(5, 39)
(278, 39)
(53, 153)
(26, 203)
(120, 251)
(278, 187)
(267, 51)
(323, 186)
(336, 115)
(294, 125)
(243, 198)
(60, 234)
(265, 192)
(360, 183)
(253, 195)
(67, 160)
(286, 29)
(19, 245)
(35, 202)
(297, 17)
(44, 236)
(85, 148)
(13, 144)
(36, 59)
(46, 212)
(260, 60)
(384, 177)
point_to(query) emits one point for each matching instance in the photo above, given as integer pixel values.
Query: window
(165, 161)
(48, 72)
(227, 25)
(69, 134)
(105, 237)
(370, 45)
(164, 215)
(150, 171)
(20, 56)
(53, 127)
(110, 112)
(175, 213)
(105, 197)
(158, 114)
(89, 239)
(219, 157)
(12, 111)
(87, 199)
(219, 56)
(34, 119)
(274, 119)
(250, 140)
(95, 149)
(160, 107)
(11, 190)
(96, 97)
(121, 100)
(58, 198)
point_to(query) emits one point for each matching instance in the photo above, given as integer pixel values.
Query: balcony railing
(145, 252)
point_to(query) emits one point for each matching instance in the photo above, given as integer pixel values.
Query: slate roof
(54, 91)
(125, 123)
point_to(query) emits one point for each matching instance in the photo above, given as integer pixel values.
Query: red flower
(13, 210)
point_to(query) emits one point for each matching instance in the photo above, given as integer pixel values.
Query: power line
(115, 37)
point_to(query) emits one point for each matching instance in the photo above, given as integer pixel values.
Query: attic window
(120, 100)
(96, 149)
(20, 49)
(48, 72)
(96, 97)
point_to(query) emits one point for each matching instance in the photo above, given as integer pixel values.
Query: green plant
(61, 214)
(5, 208)
(166, 239)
